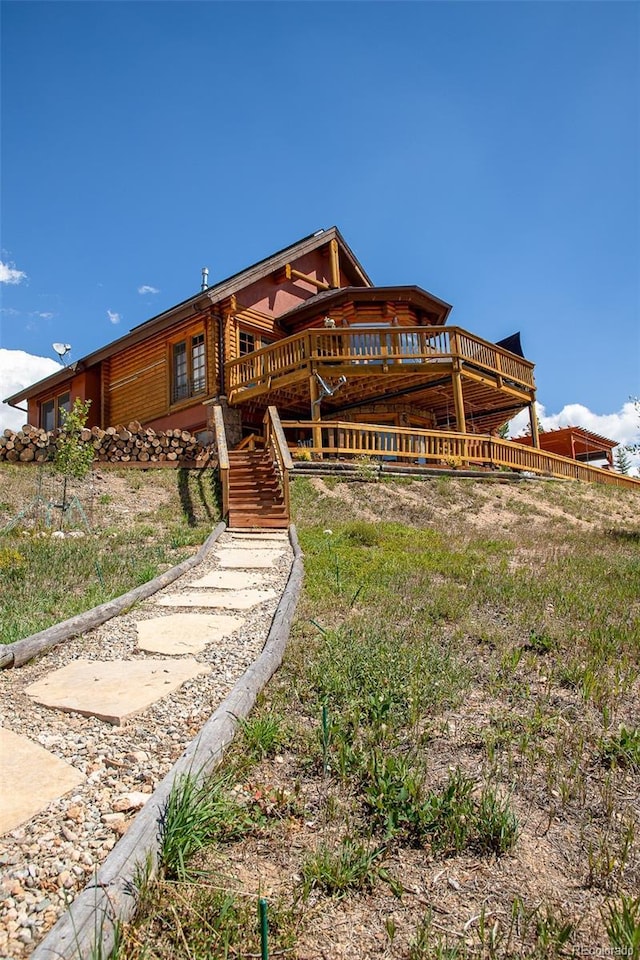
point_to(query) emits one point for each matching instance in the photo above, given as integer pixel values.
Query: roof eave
(195, 304)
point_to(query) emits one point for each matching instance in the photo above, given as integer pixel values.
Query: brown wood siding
(139, 379)
(254, 322)
(366, 313)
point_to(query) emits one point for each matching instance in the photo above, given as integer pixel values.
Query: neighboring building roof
(213, 294)
(333, 298)
(576, 440)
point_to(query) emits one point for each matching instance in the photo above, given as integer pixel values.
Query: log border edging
(21, 651)
(89, 926)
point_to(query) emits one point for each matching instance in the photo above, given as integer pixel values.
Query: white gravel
(45, 862)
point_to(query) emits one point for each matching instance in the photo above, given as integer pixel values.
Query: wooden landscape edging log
(88, 928)
(17, 653)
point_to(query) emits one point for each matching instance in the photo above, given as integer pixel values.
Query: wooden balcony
(378, 363)
(345, 440)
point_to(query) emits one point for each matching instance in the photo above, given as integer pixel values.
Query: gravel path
(45, 862)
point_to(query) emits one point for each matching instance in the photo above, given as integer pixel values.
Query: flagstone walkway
(88, 730)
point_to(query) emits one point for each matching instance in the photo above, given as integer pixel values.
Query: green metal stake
(325, 738)
(264, 929)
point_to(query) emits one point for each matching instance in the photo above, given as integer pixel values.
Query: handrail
(348, 438)
(249, 443)
(223, 457)
(380, 346)
(276, 442)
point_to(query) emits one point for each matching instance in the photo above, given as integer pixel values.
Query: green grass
(459, 703)
(197, 813)
(337, 871)
(45, 579)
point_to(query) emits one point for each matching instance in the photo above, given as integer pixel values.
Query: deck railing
(223, 457)
(386, 347)
(275, 442)
(441, 448)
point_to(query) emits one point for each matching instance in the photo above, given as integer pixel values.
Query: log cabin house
(348, 369)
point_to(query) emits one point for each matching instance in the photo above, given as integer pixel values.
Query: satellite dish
(62, 349)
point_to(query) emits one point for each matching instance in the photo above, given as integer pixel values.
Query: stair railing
(223, 457)
(275, 442)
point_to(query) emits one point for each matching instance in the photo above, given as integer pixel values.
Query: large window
(188, 368)
(51, 411)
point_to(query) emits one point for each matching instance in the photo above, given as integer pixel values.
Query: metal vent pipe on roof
(205, 278)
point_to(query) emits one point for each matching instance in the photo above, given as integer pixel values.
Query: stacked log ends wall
(131, 444)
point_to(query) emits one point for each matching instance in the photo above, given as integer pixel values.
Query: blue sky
(488, 152)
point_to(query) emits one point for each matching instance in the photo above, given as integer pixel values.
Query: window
(188, 368)
(51, 411)
(198, 363)
(246, 342)
(64, 403)
(47, 414)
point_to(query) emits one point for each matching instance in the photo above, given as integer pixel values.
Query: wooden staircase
(255, 495)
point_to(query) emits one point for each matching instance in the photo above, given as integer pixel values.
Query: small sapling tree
(73, 456)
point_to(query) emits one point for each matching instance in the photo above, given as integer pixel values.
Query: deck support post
(314, 396)
(533, 420)
(458, 399)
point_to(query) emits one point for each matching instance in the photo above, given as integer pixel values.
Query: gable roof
(199, 301)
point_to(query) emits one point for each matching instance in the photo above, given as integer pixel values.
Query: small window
(188, 368)
(64, 403)
(47, 415)
(51, 411)
(246, 342)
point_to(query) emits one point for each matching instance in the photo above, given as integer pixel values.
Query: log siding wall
(138, 380)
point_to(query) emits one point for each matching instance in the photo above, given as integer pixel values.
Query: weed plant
(197, 813)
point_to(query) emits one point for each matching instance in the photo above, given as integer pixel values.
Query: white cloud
(19, 369)
(145, 288)
(42, 316)
(113, 317)
(9, 274)
(623, 426)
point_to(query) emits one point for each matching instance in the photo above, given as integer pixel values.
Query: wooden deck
(336, 438)
(421, 363)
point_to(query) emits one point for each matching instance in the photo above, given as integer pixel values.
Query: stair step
(251, 520)
(255, 497)
(256, 505)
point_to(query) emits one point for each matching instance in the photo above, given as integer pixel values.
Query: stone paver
(112, 690)
(31, 778)
(244, 559)
(223, 599)
(229, 580)
(182, 633)
(257, 543)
